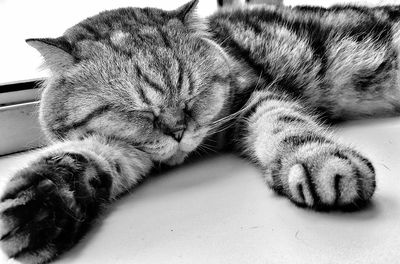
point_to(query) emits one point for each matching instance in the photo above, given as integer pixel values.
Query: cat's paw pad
(39, 214)
(324, 180)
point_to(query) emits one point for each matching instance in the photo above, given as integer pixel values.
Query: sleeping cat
(135, 87)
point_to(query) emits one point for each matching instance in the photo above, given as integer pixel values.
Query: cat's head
(145, 76)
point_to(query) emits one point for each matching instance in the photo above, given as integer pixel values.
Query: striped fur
(132, 87)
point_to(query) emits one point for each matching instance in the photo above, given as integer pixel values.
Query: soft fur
(132, 87)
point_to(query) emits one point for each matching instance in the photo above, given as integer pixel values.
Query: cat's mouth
(172, 152)
(171, 155)
(177, 158)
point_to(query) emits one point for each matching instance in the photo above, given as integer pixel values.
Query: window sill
(20, 129)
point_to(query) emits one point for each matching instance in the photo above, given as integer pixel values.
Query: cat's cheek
(190, 143)
(165, 153)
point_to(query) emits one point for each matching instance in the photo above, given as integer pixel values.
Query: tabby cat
(134, 87)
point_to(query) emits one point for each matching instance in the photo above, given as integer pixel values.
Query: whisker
(240, 111)
(207, 147)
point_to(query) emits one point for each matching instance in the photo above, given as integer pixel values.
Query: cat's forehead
(129, 21)
(147, 49)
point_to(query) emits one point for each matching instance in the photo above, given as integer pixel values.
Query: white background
(22, 19)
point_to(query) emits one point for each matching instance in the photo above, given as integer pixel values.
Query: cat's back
(309, 22)
(308, 50)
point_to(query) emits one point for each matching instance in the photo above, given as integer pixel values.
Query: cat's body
(342, 60)
(134, 87)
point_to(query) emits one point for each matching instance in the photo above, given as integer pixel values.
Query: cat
(131, 88)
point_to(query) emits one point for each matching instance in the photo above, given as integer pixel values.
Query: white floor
(219, 211)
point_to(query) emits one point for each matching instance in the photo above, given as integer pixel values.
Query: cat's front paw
(44, 209)
(326, 176)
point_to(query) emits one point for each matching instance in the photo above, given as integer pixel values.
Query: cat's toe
(26, 227)
(341, 180)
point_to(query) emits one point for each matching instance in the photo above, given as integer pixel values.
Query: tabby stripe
(315, 37)
(240, 53)
(180, 78)
(364, 160)
(219, 79)
(168, 80)
(392, 11)
(290, 119)
(276, 176)
(148, 13)
(244, 54)
(337, 188)
(299, 140)
(191, 84)
(277, 130)
(311, 186)
(115, 138)
(91, 31)
(143, 96)
(94, 114)
(254, 25)
(359, 182)
(377, 29)
(370, 77)
(147, 79)
(154, 85)
(341, 156)
(357, 174)
(310, 8)
(164, 38)
(301, 192)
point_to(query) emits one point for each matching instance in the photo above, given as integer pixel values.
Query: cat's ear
(57, 52)
(187, 12)
(188, 15)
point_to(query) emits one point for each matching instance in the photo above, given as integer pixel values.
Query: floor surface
(220, 211)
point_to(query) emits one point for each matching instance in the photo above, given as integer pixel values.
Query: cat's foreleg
(300, 158)
(49, 205)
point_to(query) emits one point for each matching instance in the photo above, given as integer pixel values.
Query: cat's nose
(178, 134)
(175, 132)
(173, 123)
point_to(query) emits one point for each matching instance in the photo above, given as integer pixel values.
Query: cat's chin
(177, 158)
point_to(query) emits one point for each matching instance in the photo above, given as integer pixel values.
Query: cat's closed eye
(188, 111)
(145, 114)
